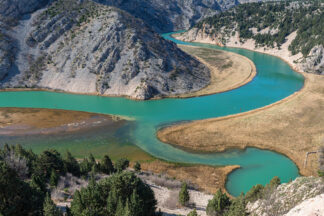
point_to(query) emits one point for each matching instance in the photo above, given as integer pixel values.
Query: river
(274, 81)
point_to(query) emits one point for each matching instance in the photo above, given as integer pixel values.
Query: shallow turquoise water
(275, 80)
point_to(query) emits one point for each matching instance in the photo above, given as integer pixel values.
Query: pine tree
(184, 195)
(49, 208)
(120, 208)
(275, 182)
(127, 210)
(77, 205)
(135, 204)
(193, 213)
(137, 166)
(237, 207)
(72, 165)
(85, 167)
(92, 160)
(106, 165)
(219, 204)
(54, 178)
(121, 164)
(111, 202)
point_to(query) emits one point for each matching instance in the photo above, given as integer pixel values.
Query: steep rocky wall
(89, 48)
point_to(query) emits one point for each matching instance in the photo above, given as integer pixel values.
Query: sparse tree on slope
(184, 195)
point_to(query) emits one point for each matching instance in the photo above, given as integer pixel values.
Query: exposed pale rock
(286, 196)
(171, 15)
(85, 47)
(315, 60)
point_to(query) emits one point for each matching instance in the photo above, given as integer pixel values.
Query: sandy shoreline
(228, 70)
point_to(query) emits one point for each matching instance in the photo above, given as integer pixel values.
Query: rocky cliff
(86, 47)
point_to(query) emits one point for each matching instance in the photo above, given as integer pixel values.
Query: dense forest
(27, 180)
(271, 22)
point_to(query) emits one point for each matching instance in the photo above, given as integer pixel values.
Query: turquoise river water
(275, 80)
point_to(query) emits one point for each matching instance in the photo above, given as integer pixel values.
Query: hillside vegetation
(269, 24)
(281, 19)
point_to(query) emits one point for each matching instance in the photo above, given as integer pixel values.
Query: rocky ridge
(85, 47)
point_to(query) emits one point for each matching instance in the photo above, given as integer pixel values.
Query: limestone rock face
(10, 13)
(16, 8)
(314, 62)
(85, 47)
(5, 55)
(286, 197)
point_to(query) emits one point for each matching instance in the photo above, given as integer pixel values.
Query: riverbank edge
(299, 164)
(248, 79)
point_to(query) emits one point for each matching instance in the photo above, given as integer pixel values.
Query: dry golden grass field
(292, 127)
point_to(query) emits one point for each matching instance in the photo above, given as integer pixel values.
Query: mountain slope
(171, 15)
(295, 28)
(89, 48)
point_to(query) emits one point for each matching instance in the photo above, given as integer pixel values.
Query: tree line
(283, 17)
(26, 180)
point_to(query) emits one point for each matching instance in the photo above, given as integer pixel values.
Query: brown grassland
(293, 127)
(207, 178)
(41, 118)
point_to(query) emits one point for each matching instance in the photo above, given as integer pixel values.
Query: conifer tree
(193, 213)
(106, 165)
(137, 166)
(218, 205)
(49, 208)
(72, 165)
(184, 195)
(54, 178)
